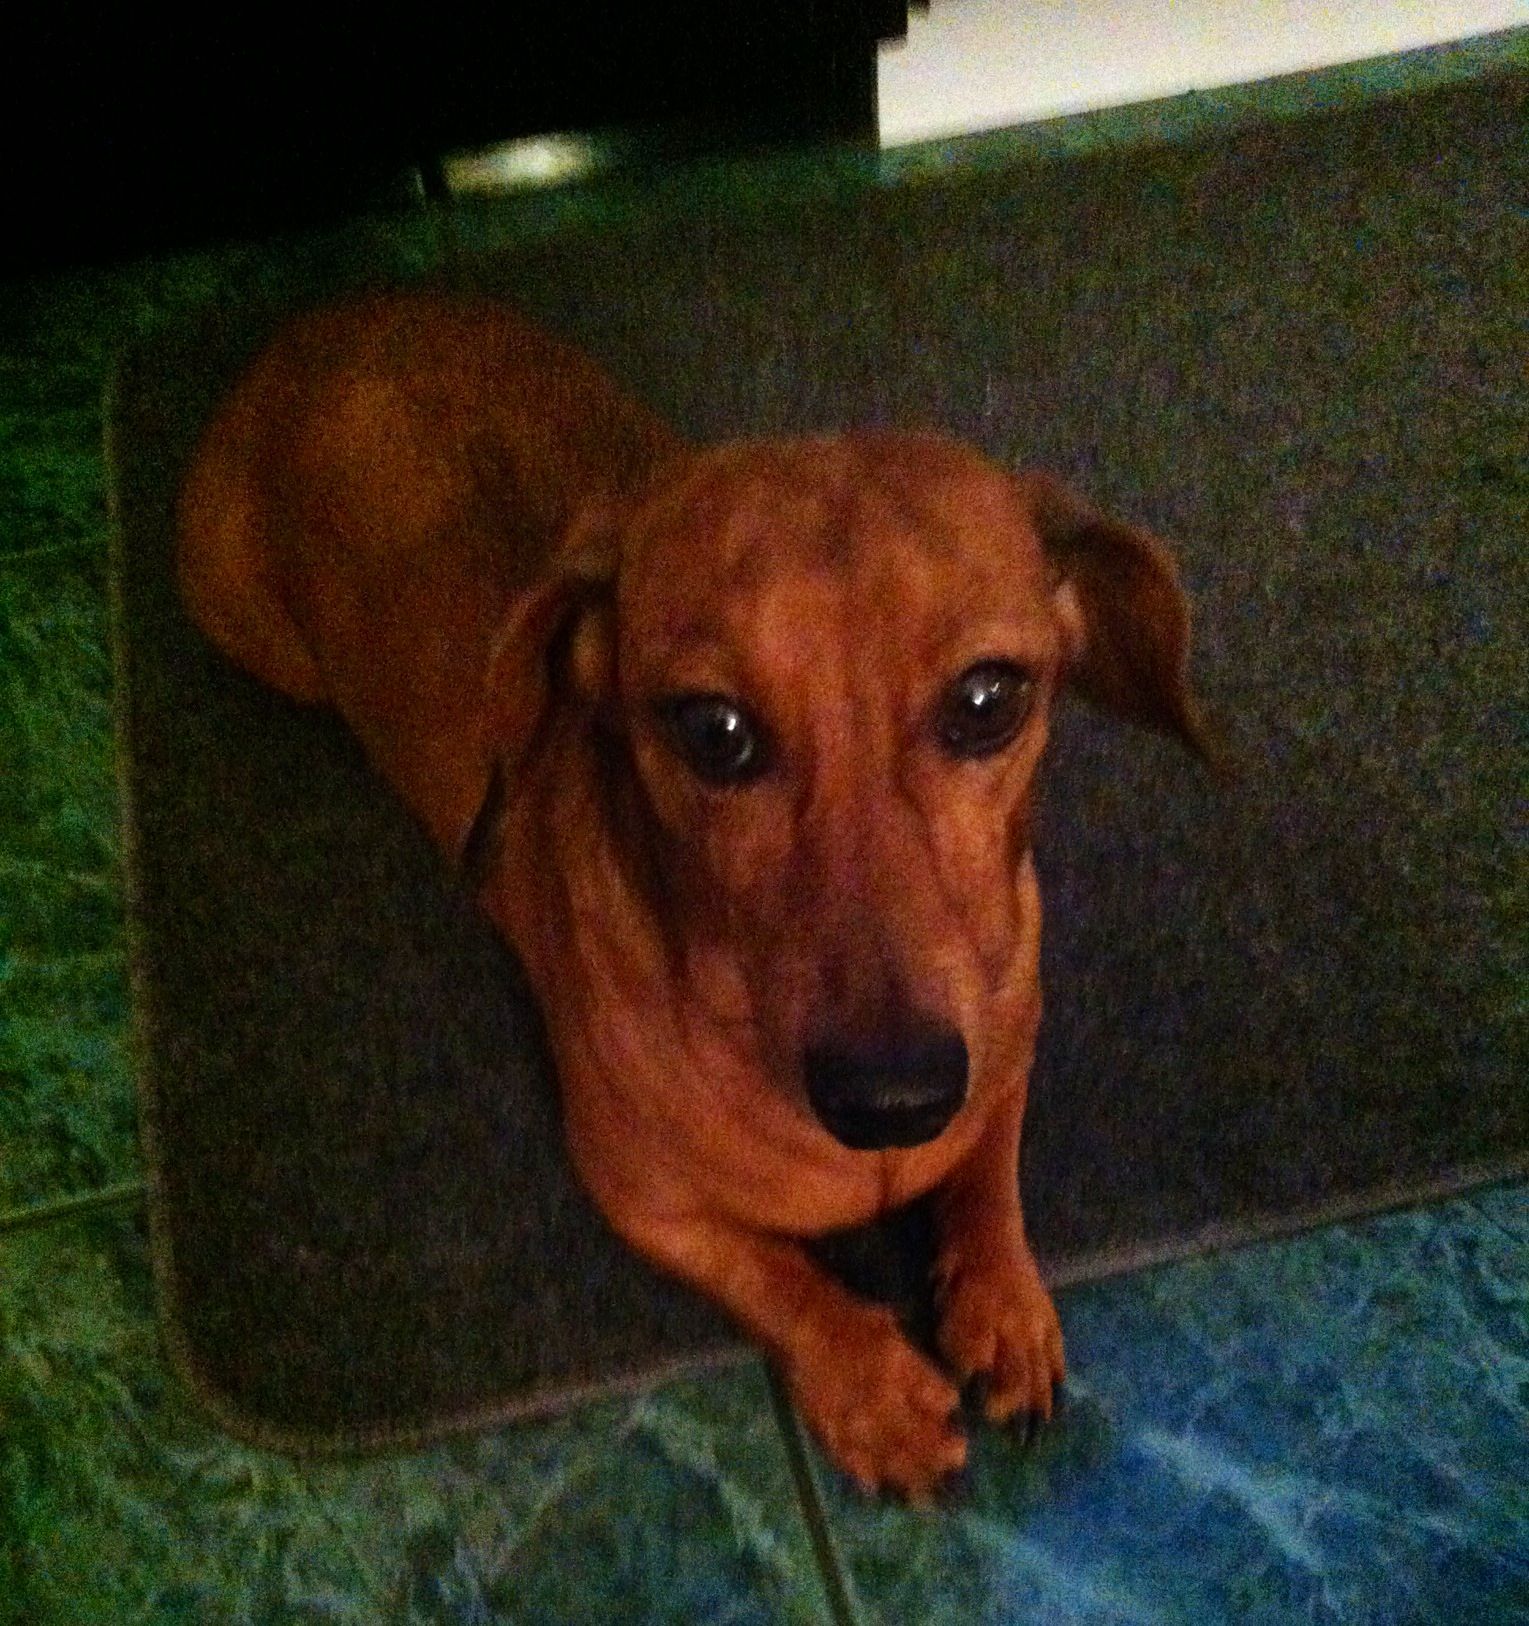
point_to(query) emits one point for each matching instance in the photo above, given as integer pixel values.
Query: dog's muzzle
(901, 1093)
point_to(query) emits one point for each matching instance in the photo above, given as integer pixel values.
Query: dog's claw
(975, 1393)
(1026, 1425)
(955, 1488)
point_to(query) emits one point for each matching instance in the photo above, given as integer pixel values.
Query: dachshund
(738, 747)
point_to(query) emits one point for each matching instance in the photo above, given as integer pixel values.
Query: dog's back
(369, 498)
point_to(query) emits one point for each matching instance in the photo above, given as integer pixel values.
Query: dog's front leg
(881, 1411)
(997, 1321)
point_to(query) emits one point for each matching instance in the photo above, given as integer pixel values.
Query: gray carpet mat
(1292, 350)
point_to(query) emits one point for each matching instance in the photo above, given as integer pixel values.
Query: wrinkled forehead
(914, 526)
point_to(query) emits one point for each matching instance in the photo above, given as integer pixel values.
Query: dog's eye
(718, 739)
(983, 709)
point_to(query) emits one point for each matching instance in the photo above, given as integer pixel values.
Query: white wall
(979, 64)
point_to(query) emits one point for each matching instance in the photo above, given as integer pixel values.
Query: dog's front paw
(997, 1322)
(881, 1411)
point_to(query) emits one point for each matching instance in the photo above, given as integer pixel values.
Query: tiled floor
(1331, 1428)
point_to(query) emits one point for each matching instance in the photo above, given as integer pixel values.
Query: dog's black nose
(899, 1093)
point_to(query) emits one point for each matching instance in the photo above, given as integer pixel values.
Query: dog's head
(826, 668)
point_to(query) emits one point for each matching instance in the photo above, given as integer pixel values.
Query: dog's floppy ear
(558, 642)
(1127, 616)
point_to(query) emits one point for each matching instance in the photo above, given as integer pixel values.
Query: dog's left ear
(1126, 615)
(557, 644)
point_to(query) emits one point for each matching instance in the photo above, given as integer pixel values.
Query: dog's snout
(901, 1092)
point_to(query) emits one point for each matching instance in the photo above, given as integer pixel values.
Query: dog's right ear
(557, 645)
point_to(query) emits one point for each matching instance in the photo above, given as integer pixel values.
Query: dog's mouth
(891, 1096)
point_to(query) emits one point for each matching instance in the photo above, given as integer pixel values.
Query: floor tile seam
(52, 552)
(59, 1211)
(838, 1586)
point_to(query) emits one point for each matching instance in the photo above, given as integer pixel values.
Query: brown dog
(742, 743)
